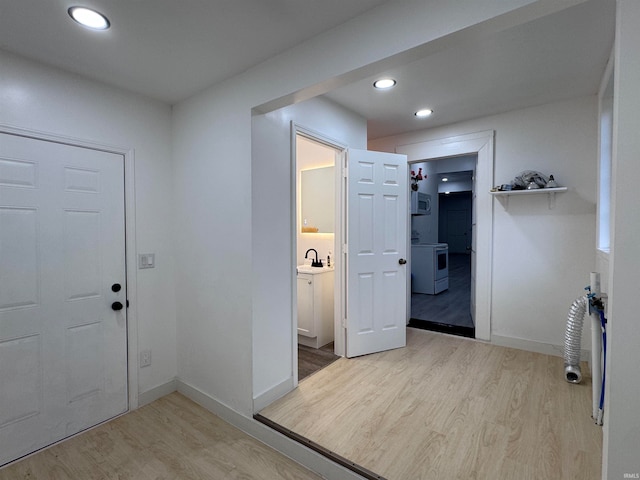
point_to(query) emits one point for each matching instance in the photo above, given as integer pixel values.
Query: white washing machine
(429, 268)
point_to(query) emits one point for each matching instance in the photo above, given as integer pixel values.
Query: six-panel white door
(63, 355)
(377, 243)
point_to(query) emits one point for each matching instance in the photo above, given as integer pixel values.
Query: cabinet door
(306, 324)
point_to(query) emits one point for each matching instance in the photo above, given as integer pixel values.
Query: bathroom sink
(312, 270)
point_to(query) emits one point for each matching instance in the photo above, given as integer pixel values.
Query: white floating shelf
(551, 192)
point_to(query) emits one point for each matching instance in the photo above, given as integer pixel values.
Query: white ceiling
(169, 50)
(556, 57)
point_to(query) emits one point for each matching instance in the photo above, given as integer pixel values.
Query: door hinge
(344, 172)
(344, 323)
(345, 249)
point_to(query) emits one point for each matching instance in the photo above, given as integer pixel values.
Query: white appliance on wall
(420, 203)
(429, 268)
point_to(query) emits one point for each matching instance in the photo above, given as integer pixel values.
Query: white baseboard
(290, 448)
(157, 392)
(533, 346)
(273, 394)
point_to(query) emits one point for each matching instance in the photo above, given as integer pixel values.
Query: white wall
(459, 186)
(622, 421)
(218, 259)
(541, 257)
(212, 178)
(218, 254)
(457, 164)
(36, 97)
(273, 225)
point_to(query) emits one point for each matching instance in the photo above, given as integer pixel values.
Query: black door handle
(402, 261)
(116, 287)
(116, 306)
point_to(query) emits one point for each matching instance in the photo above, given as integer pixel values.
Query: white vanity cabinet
(315, 307)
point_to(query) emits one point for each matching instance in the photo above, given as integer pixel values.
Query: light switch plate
(146, 260)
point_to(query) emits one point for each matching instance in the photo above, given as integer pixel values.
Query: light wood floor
(449, 408)
(171, 438)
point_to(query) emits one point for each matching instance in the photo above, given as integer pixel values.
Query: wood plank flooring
(447, 408)
(171, 438)
(311, 360)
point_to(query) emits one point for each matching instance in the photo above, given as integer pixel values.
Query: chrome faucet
(316, 262)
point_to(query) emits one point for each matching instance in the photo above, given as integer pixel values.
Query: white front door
(377, 211)
(63, 355)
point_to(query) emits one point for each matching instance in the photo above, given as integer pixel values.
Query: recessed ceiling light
(425, 112)
(445, 179)
(89, 18)
(384, 83)
(447, 193)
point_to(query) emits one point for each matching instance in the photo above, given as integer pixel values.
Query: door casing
(480, 144)
(340, 231)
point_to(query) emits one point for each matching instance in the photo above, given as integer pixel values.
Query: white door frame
(130, 242)
(339, 233)
(481, 144)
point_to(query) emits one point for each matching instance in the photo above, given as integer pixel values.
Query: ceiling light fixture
(384, 83)
(445, 179)
(425, 112)
(89, 18)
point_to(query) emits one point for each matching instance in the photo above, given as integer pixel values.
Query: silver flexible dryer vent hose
(572, 339)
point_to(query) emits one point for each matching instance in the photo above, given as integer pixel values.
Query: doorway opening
(316, 164)
(478, 145)
(375, 316)
(441, 238)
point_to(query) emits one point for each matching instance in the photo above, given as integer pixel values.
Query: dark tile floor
(448, 311)
(310, 360)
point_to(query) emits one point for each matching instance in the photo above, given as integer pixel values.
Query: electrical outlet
(145, 358)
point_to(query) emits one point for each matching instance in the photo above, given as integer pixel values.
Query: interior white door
(377, 211)
(63, 356)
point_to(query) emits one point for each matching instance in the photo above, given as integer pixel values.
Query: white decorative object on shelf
(548, 191)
